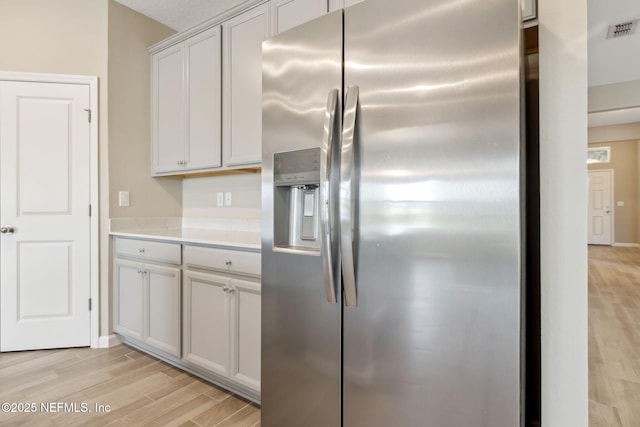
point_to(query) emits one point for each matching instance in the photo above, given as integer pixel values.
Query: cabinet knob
(225, 289)
(227, 262)
(141, 250)
(231, 290)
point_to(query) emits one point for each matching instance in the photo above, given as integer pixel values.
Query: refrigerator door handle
(348, 196)
(327, 219)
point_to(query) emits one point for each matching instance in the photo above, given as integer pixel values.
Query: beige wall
(614, 133)
(77, 37)
(624, 163)
(62, 36)
(130, 33)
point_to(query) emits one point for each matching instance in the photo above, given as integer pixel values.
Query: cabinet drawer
(148, 250)
(226, 260)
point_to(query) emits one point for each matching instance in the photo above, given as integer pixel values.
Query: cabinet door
(128, 298)
(242, 87)
(245, 322)
(168, 131)
(206, 321)
(529, 10)
(204, 100)
(163, 308)
(339, 4)
(286, 14)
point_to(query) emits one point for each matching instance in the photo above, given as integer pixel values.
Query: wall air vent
(622, 29)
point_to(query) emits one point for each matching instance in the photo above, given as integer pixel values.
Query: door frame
(92, 82)
(611, 191)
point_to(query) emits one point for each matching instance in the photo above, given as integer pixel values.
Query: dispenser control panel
(297, 167)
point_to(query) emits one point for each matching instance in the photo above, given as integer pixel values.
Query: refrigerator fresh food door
(301, 314)
(434, 337)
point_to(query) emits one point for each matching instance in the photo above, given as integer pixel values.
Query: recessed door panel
(44, 153)
(45, 290)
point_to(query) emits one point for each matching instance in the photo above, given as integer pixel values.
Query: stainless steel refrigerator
(392, 217)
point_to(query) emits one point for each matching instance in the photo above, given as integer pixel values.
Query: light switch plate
(227, 198)
(123, 198)
(620, 203)
(220, 199)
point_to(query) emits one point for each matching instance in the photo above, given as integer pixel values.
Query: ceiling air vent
(622, 29)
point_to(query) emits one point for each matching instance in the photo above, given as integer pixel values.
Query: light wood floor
(140, 390)
(614, 336)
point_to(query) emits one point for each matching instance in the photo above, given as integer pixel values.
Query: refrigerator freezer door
(301, 330)
(435, 337)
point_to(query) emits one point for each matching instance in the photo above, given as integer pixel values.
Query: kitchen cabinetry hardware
(7, 229)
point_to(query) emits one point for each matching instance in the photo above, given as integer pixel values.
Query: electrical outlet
(220, 199)
(227, 198)
(620, 203)
(123, 198)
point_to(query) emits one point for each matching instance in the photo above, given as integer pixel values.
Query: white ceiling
(610, 60)
(180, 14)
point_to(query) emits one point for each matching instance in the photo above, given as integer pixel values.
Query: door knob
(7, 229)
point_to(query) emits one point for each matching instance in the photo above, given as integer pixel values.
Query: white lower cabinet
(147, 304)
(195, 306)
(245, 325)
(163, 312)
(128, 298)
(206, 321)
(221, 326)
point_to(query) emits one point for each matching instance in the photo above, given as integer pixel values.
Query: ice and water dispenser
(297, 199)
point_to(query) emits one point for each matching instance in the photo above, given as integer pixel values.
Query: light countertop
(233, 239)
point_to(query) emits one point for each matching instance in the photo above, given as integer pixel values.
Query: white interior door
(45, 195)
(600, 207)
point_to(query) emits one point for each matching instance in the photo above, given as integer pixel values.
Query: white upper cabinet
(168, 109)
(529, 7)
(186, 102)
(286, 14)
(529, 10)
(242, 86)
(339, 4)
(204, 100)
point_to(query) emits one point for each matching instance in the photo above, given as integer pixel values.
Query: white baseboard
(626, 245)
(106, 341)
